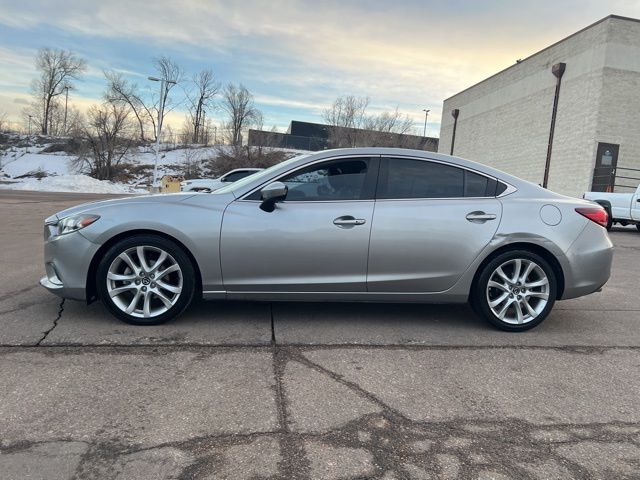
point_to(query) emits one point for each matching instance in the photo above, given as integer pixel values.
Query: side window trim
(384, 173)
(370, 184)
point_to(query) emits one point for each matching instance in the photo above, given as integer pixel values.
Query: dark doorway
(604, 174)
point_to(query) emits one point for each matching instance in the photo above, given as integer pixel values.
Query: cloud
(298, 55)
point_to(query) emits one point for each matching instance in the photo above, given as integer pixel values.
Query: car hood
(95, 207)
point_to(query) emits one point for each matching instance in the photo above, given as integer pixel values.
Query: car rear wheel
(515, 291)
(638, 226)
(145, 280)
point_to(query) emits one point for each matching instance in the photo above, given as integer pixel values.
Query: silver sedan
(367, 224)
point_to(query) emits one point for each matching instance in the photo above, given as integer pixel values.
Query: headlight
(75, 222)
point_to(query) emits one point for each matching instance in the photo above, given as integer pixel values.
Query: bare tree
(4, 123)
(200, 100)
(57, 69)
(388, 129)
(390, 122)
(237, 103)
(120, 90)
(170, 71)
(348, 113)
(227, 158)
(107, 135)
(351, 126)
(192, 163)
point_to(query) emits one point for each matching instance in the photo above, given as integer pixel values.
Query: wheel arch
(531, 247)
(91, 291)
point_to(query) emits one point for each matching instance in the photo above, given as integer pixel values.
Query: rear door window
(412, 178)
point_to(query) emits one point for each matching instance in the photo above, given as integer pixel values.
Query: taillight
(595, 214)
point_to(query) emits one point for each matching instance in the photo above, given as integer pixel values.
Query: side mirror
(271, 194)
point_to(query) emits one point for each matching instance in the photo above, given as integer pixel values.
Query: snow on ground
(71, 183)
(52, 164)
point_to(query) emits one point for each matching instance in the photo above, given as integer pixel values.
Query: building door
(604, 173)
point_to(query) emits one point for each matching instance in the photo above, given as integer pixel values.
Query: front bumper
(67, 259)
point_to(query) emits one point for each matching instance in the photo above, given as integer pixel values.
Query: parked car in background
(623, 208)
(211, 184)
(362, 224)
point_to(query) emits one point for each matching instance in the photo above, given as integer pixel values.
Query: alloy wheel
(144, 281)
(518, 291)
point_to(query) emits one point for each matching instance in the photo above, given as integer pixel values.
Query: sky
(295, 56)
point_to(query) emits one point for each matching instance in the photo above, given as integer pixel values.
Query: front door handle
(480, 217)
(348, 221)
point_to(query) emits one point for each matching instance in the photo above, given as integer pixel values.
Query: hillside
(51, 164)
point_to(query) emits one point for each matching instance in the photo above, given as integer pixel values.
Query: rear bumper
(589, 262)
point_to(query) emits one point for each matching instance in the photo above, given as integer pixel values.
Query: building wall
(619, 108)
(504, 121)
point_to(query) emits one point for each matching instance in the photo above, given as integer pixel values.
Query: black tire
(638, 226)
(181, 258)
(480, 302)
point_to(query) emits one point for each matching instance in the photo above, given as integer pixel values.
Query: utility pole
(557, 70)
(455, 113)
(30, 124)
(426, 115)
(66, 102)
(163, 87)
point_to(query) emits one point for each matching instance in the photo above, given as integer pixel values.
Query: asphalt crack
(55, 324)
(293, 459)
(398, 445)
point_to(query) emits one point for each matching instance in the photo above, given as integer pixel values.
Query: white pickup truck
(623, 208)
(211, 184)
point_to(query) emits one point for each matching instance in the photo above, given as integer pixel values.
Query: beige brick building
(505, 120)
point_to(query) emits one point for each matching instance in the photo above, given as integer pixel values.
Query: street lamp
(66, 102)
(426, 115)
(163, 83)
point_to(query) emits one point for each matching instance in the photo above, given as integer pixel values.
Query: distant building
(593, 79)
(318, 136)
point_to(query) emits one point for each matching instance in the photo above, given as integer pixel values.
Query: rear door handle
(347, 221)
(480, 217)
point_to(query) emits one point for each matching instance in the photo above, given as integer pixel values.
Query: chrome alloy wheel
(518, 291)
(144, 281)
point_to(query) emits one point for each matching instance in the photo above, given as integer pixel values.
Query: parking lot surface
(293, 391)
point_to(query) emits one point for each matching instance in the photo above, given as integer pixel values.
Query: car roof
(423, 154)
(247, 169)
(522, 187)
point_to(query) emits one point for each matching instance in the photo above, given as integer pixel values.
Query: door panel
(300, 246)
(425, 245)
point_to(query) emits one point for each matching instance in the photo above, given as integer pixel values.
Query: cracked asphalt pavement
(311, 391)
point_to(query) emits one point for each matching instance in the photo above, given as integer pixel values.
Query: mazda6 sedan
(366, 224)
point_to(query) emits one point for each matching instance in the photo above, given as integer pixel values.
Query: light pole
(163, 83)
(66, 102)
(426, 115)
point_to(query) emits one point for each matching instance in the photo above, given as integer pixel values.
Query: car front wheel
(145, 280)
(515, 291)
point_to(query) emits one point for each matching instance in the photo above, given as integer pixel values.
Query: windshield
(261, 174)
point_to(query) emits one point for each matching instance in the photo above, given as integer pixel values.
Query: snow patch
(71, 183)
(33, 162)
